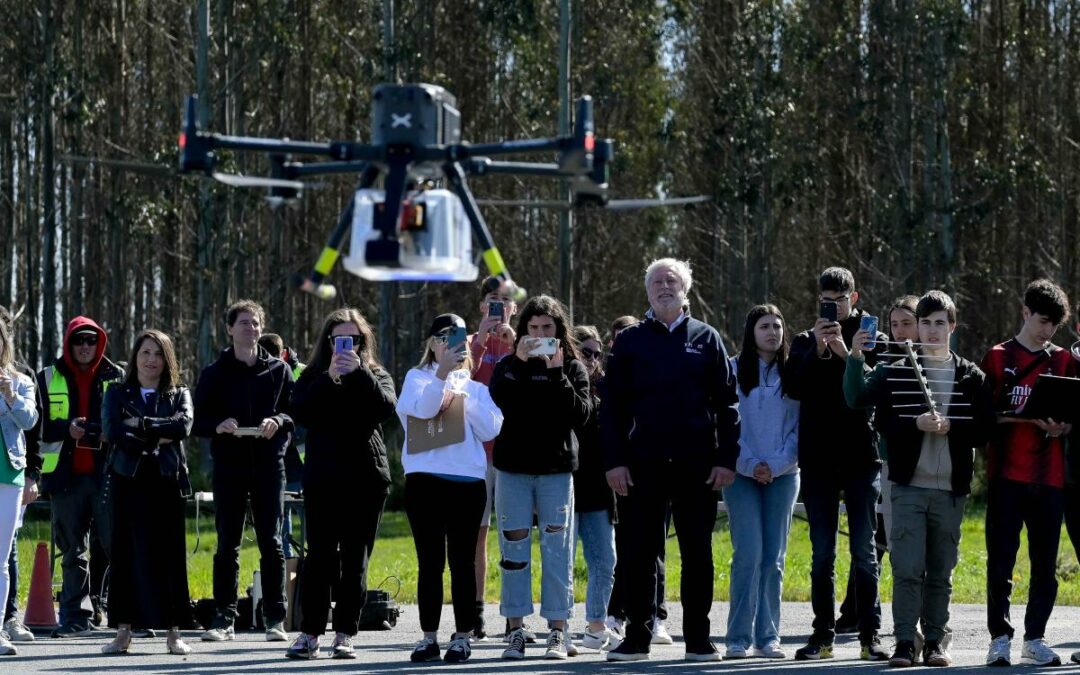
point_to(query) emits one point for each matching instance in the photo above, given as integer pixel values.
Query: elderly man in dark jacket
(670, 429)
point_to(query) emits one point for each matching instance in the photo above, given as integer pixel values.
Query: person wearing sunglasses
(72, 467)
(342, 398)
(240, 404)
(594, 504)
(447, 417)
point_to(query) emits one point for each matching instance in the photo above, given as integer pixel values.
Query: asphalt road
(389, 651)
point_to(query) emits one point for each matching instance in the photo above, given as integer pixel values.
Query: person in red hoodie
(72, 461)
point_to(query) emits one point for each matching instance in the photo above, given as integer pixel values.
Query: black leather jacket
(169, 418)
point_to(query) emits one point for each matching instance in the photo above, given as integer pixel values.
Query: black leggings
(445, 519)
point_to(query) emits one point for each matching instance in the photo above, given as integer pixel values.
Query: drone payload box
(434, 237)
(415, 114)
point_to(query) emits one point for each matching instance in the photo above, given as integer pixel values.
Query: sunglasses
(590, 354)
(80, 340)
(356, 339)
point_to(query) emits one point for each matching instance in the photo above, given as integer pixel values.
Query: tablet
(1053, 397)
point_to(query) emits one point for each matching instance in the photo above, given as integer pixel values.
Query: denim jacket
(17, 418)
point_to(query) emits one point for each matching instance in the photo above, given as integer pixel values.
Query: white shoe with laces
(6, 648)
(556, 645)
(999, 654)
(771, 650)
(1038, 653)
(342, 647)
(16, 631)
(660, 634)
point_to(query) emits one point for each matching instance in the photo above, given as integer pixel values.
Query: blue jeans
(821, 493)
(551, 497)
(598, 544)
(760, 520)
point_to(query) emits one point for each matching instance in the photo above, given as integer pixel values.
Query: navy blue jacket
(670, 395)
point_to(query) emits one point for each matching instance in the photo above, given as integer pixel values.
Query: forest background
(921, 143)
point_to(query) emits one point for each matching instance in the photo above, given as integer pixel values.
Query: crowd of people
(604, 440)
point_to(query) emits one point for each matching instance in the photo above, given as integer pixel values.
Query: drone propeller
(612, 205)
(147, 168)
(239, 180)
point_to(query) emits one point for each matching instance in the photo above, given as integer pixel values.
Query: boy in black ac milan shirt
(1027, 476)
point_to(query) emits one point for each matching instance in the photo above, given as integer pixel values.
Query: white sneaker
(1038, 653)
(999, 651)
(275, 632)
(736, 651)
(660, 634)
(6, 648)
(17, 632)
(771, 650)
(617, 626)
(605, 640)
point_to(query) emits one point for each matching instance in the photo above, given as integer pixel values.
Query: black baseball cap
(444, 321)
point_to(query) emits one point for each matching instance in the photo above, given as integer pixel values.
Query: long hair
(542, 305)
(7, 344)
(748, 356)
(324, 350)
(170, 376)
(583, 334)
(429, 355)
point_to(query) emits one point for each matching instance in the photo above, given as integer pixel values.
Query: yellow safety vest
(59, 409)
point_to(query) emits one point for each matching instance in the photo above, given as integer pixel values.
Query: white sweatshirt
(421, 397)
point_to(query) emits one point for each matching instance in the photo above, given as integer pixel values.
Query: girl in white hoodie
(445, 491)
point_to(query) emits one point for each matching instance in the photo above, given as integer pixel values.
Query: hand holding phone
(545, 346)
(869, 324)
(828, 311)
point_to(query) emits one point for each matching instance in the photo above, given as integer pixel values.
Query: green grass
(395, 556)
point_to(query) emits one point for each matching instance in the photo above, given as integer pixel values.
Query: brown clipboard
(446, 428)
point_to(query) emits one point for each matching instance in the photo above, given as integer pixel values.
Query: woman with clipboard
(447, 417)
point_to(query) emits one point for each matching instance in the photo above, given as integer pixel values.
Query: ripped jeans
(518, 497)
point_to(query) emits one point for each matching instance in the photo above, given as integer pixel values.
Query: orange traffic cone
(40, 612)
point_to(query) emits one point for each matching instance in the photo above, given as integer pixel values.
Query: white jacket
(421, 397)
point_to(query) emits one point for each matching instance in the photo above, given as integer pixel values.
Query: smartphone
(869, 324)
(455, 338)
(342, 343)
(547, 347)
(828, 311)
(495, 309)
(247, 431)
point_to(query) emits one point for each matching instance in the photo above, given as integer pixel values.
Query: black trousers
(342, 523)
(82, 517)
(1012, 505)
(617, 602)
(235, 481)
(445, 519)
(149, 585)
(657, 487)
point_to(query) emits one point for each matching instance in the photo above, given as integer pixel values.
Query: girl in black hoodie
(544, 399)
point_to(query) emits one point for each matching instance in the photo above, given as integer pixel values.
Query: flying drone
(403, 231)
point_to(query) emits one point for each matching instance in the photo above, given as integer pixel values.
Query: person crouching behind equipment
(445, 487)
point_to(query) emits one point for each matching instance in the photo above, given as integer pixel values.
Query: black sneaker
(72, 629)
(424, 651)
(817, 647)
(847, 625)
(459, 650)
(904, 656)
(872, 649)
(629, 651)
(702, 651)
(934, 655)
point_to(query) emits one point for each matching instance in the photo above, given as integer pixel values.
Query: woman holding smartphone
(145, 419)
(342, 398)
(543, 391)
(18, 413)
(445, 490)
